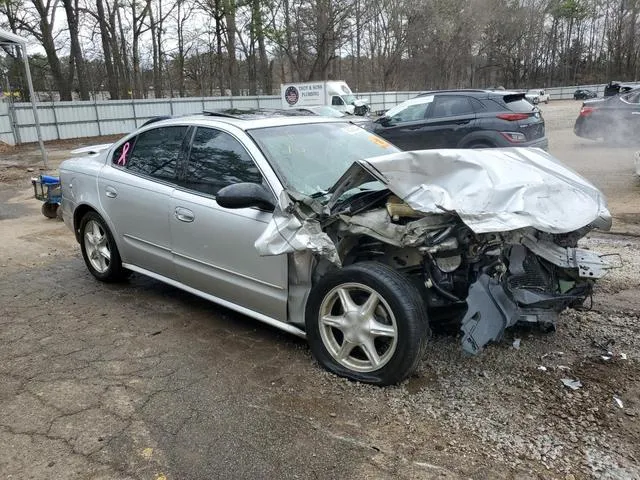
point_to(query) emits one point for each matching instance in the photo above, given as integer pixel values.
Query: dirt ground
(143, 381)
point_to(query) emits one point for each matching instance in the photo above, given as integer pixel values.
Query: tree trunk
(112, 80)
(230, 18)
(126, 84)
(63, 82)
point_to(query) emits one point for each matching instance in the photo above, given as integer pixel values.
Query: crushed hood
(491, 190)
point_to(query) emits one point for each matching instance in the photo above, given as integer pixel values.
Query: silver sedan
(281, 219)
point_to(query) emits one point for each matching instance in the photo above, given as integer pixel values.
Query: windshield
(310, 158)
(327, 111)
(349, 99)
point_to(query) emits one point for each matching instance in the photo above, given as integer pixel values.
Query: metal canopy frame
(12, 40)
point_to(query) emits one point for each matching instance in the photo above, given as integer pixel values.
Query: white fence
(62, 120)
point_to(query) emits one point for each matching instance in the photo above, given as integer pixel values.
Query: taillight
(513, 117)
(586, 111)
(514, 137)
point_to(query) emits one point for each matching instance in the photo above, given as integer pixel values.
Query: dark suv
(463, 119)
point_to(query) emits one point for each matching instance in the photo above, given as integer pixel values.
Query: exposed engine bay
(486, 270)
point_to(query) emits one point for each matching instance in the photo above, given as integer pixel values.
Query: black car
(584, 94)
(613, 118)
(463, 119)
(614, 88)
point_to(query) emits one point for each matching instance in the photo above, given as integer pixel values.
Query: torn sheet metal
(490, 312)
(377, 224)
(491, 190)
(291, 230)
(589, 264)
(495, 304)
(286, 234)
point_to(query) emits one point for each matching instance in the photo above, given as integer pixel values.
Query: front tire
(99, 250)
(368, 323)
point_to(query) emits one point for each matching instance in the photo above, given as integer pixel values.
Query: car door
(403, 125)
(135, 190)
(629, 124)
(213, 246)
(338, 103)
(450, 119)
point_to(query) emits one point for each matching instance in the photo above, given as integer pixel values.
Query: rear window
(517, 103)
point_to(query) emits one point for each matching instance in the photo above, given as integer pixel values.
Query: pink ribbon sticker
(122, 161)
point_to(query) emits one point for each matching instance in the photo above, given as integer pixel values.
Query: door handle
(184, 214)
(110, 192)
(462, 122)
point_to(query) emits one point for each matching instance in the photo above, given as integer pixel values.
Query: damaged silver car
(329, 232)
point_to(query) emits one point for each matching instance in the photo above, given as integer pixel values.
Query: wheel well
(480, 144)
(80, 212)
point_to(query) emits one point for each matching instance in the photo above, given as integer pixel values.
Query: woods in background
(161, 48)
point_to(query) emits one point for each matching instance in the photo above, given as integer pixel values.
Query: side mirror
(245, 195)
(384, 121)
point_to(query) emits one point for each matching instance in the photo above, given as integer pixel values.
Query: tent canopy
(11, 39)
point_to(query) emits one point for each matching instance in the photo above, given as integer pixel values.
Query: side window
(153, 153)
(451, 106)
(411, 113)
(337, 101)
(477, 105)
(217, 160)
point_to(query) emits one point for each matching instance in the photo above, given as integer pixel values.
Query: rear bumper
(585, 129)
(495, 138)
(542, 142)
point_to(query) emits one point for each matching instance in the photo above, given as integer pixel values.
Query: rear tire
(480, 145)
(368, 323)
(99, 250)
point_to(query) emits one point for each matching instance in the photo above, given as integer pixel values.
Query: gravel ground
(144, 381)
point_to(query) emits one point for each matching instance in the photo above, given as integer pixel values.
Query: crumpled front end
(533, 281)
(490, 236)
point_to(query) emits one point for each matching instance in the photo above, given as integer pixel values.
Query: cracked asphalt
(92, 375)
(143, 381)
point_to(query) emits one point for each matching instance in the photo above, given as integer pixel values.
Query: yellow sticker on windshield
(379, 141)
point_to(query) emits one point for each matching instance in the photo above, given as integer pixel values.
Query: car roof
(479, 93)
(250, 123)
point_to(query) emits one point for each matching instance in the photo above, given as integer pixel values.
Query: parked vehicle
(536, 96)
(615, 119)
(331, 112)
(281, 219)
(312, 94)
(257, 113)
(584, 94)
(614, 88)
(463, 119)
